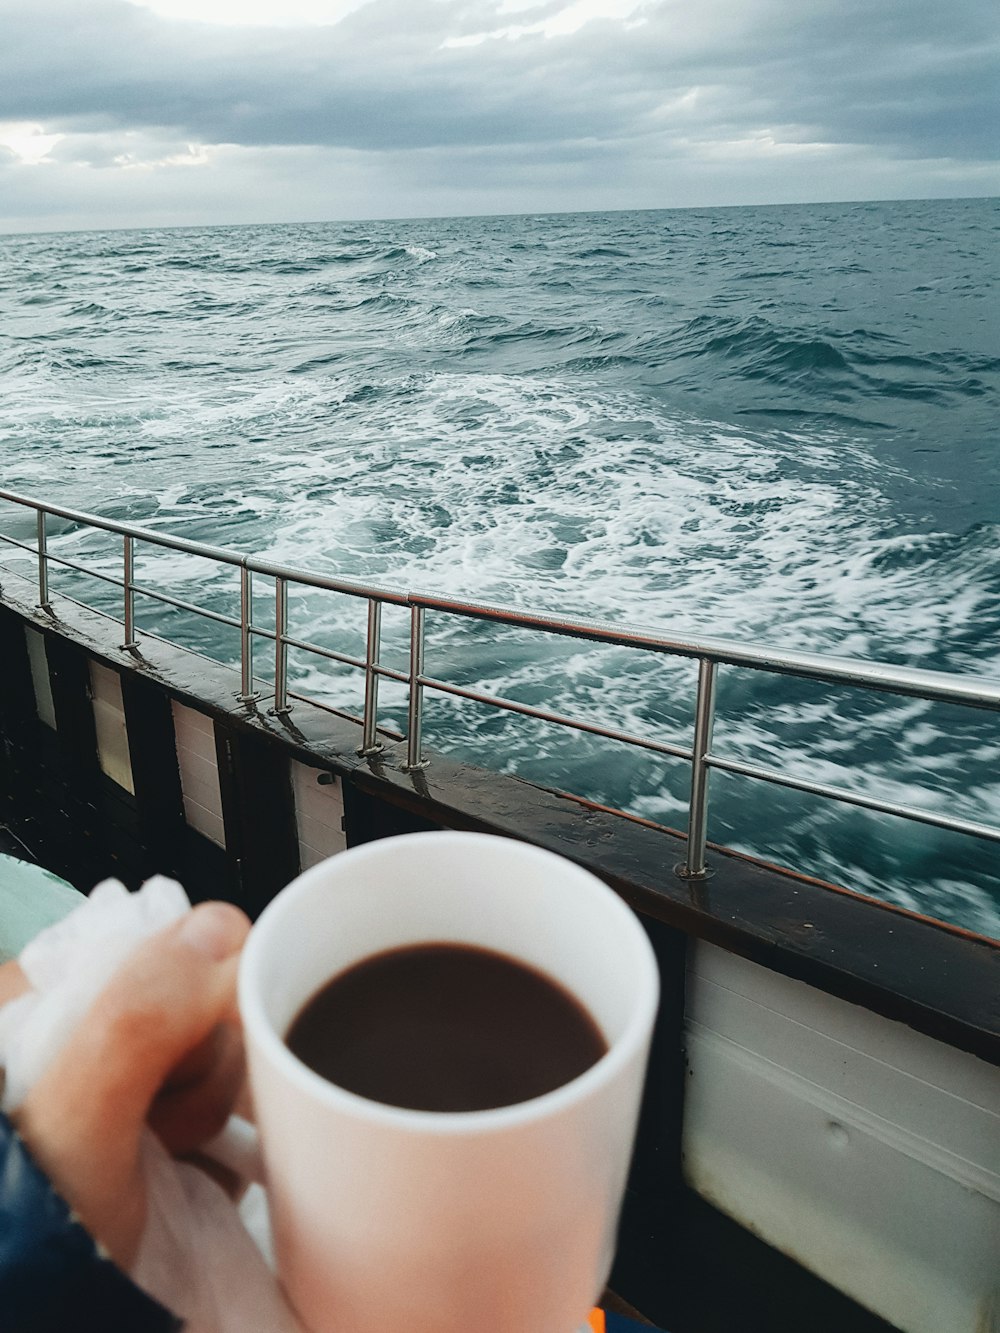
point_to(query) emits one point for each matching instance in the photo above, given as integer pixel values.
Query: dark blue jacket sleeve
(53, 1279)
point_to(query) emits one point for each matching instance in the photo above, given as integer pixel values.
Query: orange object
(596, 1321)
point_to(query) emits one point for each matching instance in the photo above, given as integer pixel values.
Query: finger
(84, 1117)
(201, 1092)
(13, 982)
(162, 1005)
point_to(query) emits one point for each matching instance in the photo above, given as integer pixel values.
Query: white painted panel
(867, 1151)
(316, 832)
(109, 723)
(194, 738)
(205, 821)
(194, 729)
(309, 856)
(39, 664)
(316, 843)
(203, 790)
(320, 800)
(319, 813)
(923, 1095)
(892, 1044)
(200, 771)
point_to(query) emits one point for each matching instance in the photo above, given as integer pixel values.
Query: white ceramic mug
(497, 1221)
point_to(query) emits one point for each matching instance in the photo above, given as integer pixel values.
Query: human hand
(160, 1046)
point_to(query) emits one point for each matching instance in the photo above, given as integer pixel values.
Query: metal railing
(709, 653)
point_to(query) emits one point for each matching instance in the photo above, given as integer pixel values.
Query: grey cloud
(913, 78)
(361, 83)
(916, 77)
(376, 117)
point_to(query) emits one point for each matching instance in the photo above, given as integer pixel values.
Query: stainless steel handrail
(708, 652)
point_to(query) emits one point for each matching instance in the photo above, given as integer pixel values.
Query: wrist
(53, 1275)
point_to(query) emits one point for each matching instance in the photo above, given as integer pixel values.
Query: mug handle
(237, 1147)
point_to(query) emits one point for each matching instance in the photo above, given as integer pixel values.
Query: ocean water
(772, 424)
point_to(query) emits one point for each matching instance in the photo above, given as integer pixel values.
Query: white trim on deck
(319, 813)
(109, 723)
(194, 738)
(867, 1151)
(41, 685)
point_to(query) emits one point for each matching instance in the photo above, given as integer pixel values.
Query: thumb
(84, 1118)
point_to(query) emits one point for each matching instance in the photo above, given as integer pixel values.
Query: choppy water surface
(773, 424)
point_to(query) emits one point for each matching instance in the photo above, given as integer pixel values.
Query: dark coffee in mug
(445, 1027)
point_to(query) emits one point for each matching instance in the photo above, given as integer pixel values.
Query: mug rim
(620, 1053)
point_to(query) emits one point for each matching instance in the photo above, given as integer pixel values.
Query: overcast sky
(174, 112)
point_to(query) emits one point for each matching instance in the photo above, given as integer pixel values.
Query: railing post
(128, 587)
(43, 564)
(281, 704)
(369, 735)
(415, 719)
(693, 867)
(246, 695)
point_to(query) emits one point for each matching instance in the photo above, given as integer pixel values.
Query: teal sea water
(774, 424)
